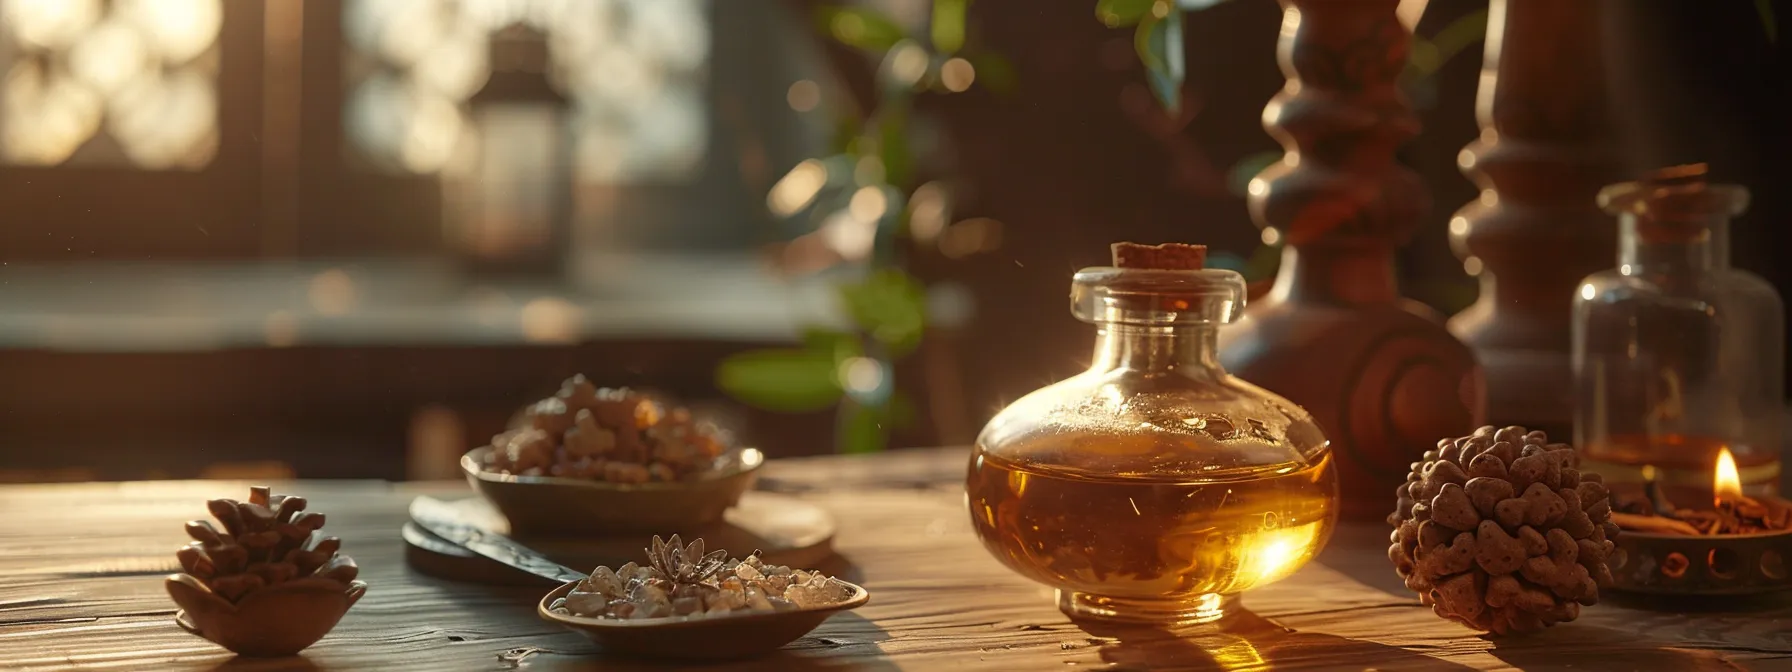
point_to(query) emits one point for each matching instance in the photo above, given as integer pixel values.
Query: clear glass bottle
(1676, 354)
(1153, 487)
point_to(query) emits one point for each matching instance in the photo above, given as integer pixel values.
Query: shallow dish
(555, 506)
(711, 638)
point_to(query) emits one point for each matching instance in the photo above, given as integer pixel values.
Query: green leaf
(1159, 43)
(862, 429)
(1238, 178)
(789, 381)
(892, 145)
(948, 25)
(1117, 13)
(891, 306)
(994, 72)
(840, 344)
(1768, 23)
(1467, 30)
(859, 27)
(1422, 57)
(845, 132)
(1263, 264)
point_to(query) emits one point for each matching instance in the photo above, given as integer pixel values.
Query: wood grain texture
(81, 567)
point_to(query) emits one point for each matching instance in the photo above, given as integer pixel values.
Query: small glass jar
(1676, 354)
(1153, 487)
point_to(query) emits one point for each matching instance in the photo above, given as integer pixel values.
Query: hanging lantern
(506, 202)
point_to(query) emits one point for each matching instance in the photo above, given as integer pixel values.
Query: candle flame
(1726, 484)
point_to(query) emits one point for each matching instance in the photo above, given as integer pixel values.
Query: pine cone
(267, 540)
(1499, 531)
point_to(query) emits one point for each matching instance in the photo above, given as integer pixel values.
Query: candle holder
(1724, 564)
(1738, 547)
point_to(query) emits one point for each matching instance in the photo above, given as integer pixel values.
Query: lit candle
(1726, 485)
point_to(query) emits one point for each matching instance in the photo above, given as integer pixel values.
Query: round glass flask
(1153, 487)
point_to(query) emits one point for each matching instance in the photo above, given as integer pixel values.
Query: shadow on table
(1590, 647)
(1247, 641)
(1695, 604)
(248, 664)
(845, 642)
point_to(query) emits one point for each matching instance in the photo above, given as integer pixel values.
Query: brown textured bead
(1520, 546)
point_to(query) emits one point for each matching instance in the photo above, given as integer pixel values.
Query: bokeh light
(803, 95)
(166, 122)
(797, 189)
(869, 203)
(45, 120)
(957, 74)
(180, 30)
(908, 63)
(134, 70)
(49, 24)
(928, 209)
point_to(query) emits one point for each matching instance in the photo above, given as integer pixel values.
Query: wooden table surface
(81, 571)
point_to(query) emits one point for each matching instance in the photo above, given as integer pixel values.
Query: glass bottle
(1676, 354)
(1153, 487)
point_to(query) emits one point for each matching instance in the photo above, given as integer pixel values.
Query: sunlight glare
(49, 24)
(109, 56)
(797, 189)
(179, 30)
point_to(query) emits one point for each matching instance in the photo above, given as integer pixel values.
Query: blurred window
(634, 69)
(127, 82)
(174, 130)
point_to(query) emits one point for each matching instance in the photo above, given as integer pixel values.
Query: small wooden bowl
(278, 621)
(550, 506)
(703, 638)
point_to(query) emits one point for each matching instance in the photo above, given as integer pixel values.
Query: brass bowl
(700, 638)
(1723, 564)
(548, 506)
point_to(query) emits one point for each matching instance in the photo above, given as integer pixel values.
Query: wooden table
(81, 568)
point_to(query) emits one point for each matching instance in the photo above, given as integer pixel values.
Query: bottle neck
(1706, 248)
(1188, 349)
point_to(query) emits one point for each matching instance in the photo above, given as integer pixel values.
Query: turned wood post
(1379, 373)
(1543, 154)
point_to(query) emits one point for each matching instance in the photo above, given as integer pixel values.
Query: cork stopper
(1165, 257)
(1692, 173)
(1674, 204)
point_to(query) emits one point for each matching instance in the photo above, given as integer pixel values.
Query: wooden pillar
(1535, 231)
(1380, 373)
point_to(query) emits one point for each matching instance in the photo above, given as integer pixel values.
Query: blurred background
(349, 238)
